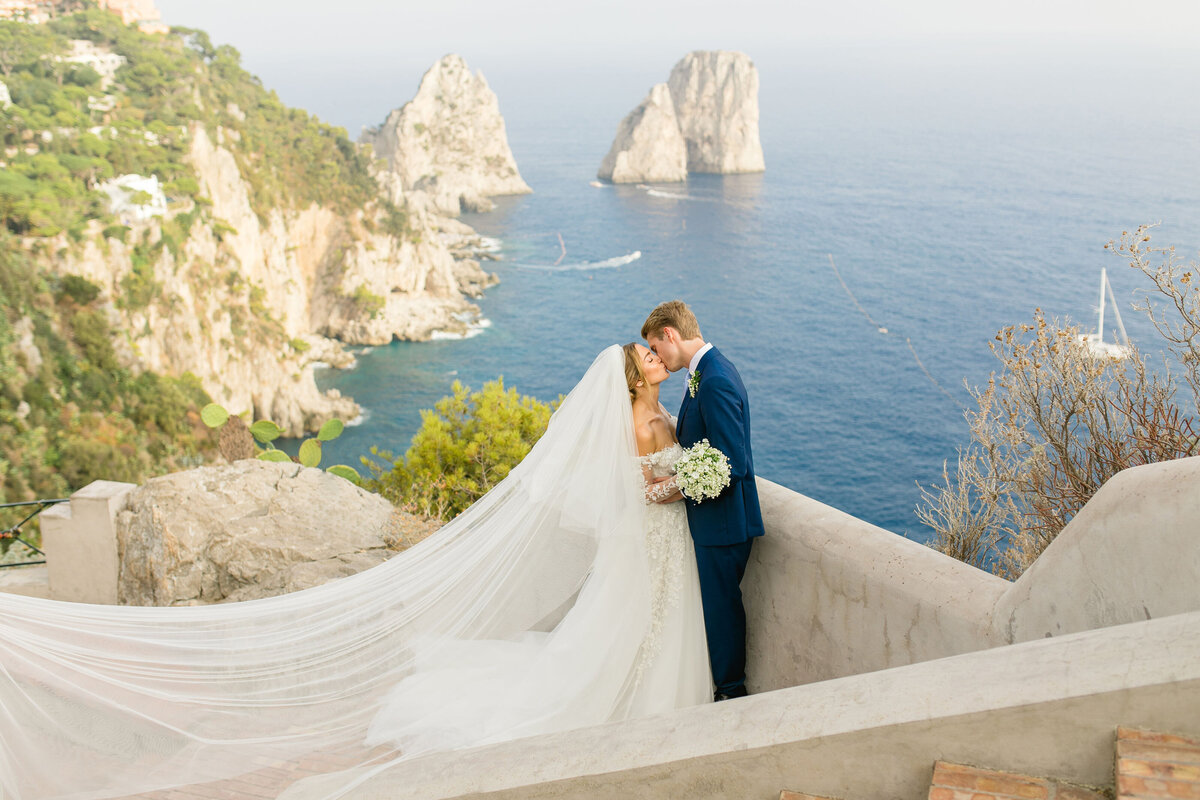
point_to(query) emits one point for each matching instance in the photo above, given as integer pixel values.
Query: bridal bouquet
(702, 471)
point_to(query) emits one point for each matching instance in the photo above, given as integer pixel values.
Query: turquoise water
(954, 200)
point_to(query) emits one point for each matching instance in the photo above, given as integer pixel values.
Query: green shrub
(465, 446)
(367, 302)
(79, 289)
(118, 232)
(94, 337)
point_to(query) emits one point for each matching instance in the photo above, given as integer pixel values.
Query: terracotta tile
(1158, 769)
(1148, 751)
(1154, 737)
(1130, 786)
(941, 793)
(1067, 791)
(990, 781)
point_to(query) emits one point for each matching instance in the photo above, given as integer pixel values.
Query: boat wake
(608, 263)
(674, 195)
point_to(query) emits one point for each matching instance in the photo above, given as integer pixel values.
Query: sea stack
(712, 97)
(649, 145)
(448, 142)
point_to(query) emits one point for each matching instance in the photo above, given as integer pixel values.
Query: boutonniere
(693, 383)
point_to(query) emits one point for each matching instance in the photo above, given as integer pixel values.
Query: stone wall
(1047, 707)
(1132, 553)
(829, 595)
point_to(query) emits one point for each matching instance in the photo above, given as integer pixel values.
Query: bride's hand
(664, 490)
(675, 497)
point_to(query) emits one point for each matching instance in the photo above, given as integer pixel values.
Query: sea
(914, 202)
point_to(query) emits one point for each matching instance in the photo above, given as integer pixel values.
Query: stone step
(1157, 766)
(786, 795)
(33, 581)
(962, 782)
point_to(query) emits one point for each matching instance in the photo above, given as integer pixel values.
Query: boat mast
(1116, 310)
(1103, 283)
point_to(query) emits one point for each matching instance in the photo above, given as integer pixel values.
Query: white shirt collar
(695, 362)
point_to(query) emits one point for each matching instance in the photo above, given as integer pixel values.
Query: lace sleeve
(661, 490)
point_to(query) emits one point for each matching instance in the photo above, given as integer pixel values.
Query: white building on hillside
(35, 11)
(142, 13)
(135, 198)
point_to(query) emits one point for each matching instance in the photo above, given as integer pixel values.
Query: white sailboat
(1095, 341)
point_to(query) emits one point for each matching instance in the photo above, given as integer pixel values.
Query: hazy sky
(279, 26)
(351, 60)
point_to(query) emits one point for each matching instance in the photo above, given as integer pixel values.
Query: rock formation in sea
(251, 529)
(713, 98)
(448, 143)
(649, 145)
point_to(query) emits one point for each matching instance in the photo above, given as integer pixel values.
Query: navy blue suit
(723, 527)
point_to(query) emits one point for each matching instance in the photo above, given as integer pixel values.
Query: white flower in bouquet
(702, 471)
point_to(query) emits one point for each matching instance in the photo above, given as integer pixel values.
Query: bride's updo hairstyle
(633, 369)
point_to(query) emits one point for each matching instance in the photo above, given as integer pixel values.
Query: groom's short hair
(672, 314)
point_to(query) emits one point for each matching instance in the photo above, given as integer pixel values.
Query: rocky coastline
(251, 303)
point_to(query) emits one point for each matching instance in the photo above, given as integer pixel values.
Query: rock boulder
(251, 529)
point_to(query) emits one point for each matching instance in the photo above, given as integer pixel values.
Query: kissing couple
(594, 583)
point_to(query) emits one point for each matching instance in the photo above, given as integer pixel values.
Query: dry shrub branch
(1057, 421)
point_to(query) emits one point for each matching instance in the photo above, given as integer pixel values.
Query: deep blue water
(955, 199)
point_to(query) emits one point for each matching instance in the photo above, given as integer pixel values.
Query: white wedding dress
(559, 600)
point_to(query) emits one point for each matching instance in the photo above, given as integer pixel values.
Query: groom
(715, 407)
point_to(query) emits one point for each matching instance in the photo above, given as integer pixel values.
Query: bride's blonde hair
(633, 369)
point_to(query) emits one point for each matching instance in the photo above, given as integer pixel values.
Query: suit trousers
(721, 568)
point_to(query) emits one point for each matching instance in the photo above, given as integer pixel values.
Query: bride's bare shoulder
(653, 433)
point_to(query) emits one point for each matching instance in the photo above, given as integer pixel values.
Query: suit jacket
(720, 412)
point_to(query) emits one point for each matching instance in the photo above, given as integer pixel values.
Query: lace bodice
(662, 462)
(667, 545)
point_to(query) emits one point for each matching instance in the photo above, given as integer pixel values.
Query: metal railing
(14, 532)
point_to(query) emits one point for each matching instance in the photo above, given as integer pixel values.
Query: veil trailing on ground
(523, 615)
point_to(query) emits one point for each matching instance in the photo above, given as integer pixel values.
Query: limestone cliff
(712, 98)
(235, 238)
(649, 146)
(248, 304)
(448, 143)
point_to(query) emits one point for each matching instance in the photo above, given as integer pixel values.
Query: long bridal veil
(523, 615)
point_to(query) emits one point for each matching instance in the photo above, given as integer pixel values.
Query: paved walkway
(269, 780)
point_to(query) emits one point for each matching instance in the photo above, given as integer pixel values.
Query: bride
(565, 597)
